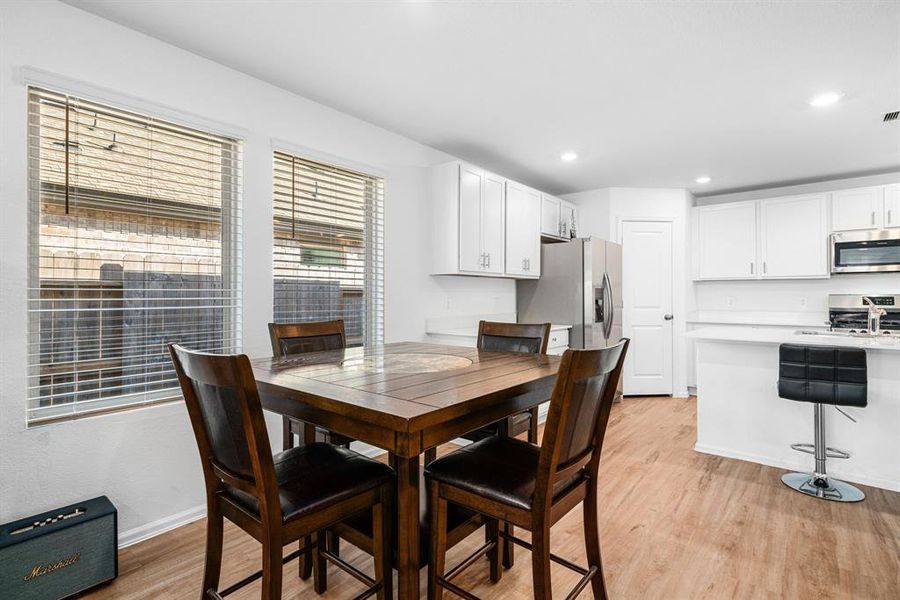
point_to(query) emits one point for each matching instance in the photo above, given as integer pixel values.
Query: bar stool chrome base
(823, 487)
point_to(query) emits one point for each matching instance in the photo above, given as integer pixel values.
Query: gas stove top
(849, 312)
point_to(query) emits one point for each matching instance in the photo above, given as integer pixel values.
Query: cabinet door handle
(482, 262)
(488, 255)
(764, 267)
(873, 217)
(751, 267)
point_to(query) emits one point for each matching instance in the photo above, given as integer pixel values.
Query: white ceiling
(649, 94)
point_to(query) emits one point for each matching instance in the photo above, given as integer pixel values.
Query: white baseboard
(154, 528)
(799, 465)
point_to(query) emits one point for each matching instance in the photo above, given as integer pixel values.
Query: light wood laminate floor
(675, 524)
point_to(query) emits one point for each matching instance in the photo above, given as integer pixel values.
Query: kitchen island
(740, 415)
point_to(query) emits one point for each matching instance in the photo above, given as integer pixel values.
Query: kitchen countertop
(762, 335)
(762, 318)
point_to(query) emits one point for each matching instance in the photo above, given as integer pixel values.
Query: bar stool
(822, 375)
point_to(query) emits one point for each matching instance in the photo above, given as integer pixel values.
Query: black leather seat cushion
(313, 476)
(823, 374)
(498, 468)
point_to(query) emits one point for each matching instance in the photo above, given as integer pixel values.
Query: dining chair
(300, 338)
(293, 495)
(508, 337)
(533, 487)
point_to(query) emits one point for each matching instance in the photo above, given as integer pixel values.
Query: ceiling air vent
(891, 116)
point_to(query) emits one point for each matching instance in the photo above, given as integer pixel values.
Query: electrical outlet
(729, 301)
(802, 301)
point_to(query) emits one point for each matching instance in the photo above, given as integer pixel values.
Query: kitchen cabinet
(892, 205)
(793, 237)
(558, 218)
(725, 241)
(523, 231)
(550, 215)
(568, 217)
(468, 220)
(857, 209)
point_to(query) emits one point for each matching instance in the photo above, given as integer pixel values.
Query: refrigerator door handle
(607, 289)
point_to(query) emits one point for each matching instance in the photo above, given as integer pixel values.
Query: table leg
(407, 527)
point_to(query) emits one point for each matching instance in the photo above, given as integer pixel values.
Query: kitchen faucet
(875, 314)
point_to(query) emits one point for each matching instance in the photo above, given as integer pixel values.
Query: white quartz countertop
(768, 318)
(764, 335)
(473, 331)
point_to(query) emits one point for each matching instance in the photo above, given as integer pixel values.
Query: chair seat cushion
(314, 476)
(498, 468)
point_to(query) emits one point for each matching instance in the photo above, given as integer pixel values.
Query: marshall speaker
(59, 553)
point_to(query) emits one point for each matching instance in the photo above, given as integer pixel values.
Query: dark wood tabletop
(405, 398)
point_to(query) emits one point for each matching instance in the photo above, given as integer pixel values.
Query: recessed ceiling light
(568, 156)
(825, 99)
(703, 179)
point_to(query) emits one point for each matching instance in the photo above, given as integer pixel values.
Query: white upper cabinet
(856, 209)
(493, 208)
(558, 218)
(523, 235)
(725, 241)
(568, 217)
(550, 215)
(892, 205)
(793, 237)
(471, 184)
(468, 220)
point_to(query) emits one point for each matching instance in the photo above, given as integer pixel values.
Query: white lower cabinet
(793, 237)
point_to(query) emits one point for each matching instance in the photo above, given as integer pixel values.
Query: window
(134, 238)
(328, 230)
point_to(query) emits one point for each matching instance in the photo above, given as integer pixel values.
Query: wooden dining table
(405, 398)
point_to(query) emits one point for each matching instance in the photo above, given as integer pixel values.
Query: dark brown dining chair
(300, 338)
(534, 487)
(508, 337)
(279, 499)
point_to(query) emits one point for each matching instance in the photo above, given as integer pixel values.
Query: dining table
(405, 398)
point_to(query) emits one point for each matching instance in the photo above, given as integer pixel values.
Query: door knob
(668, 317)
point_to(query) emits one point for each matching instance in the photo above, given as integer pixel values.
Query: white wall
(805, 297)
(145, 460)
(600, 213)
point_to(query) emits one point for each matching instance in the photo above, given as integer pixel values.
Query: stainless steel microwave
(865, 251)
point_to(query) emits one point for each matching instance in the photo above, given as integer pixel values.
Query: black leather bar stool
(822, 375)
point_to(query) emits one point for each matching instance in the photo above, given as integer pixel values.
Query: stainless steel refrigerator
(580, 285)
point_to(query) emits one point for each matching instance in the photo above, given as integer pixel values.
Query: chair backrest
(513, 337)
(579, 412)
(300, 338)
(227, 419)
(823, 374)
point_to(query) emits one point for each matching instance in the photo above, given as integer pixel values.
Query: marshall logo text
(40, 570)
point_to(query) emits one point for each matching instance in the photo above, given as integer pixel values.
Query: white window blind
(328, 247)
(134, 243)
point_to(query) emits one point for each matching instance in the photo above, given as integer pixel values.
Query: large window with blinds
(328, 230)
(134, 232)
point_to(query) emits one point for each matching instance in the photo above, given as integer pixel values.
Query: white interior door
(647, 295)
